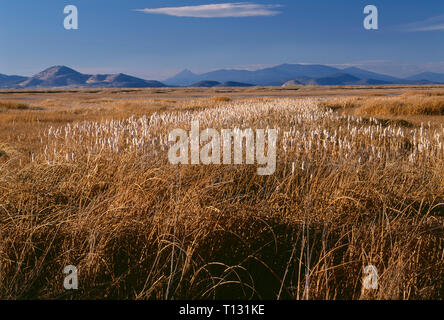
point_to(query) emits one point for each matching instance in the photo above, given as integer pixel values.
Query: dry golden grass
(426, 93)
(410, 105)
(139, 228)
(12, 105)
(222, 99)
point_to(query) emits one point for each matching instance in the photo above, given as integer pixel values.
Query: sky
(155, 39)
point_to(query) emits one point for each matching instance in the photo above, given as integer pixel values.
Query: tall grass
(411, 103)
(13, 105)
(348, 192)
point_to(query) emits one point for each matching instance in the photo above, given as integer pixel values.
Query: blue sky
(160, 41)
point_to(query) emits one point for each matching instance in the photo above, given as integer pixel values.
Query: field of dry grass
(85, 181)
(410, 103)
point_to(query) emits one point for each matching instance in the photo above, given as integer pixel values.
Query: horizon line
(342, 66)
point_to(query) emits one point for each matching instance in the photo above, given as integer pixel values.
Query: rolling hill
(429, 76)
(206, 84)
(364, 74)
(10, 81)
(281, 75)
(303, 73)
(212, 84)
(266, 77)
(64, 77)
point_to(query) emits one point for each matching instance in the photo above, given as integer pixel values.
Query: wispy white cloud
(221, 10)
(431, 24)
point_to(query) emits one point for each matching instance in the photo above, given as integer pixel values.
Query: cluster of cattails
(347, 138)
(307, 133)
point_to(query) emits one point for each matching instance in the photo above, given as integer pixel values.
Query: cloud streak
(431, 24)
(221, 10)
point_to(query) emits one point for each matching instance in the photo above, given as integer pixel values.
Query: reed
(349, 191)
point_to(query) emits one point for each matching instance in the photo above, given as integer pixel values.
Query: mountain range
(281, 75)
(64, 77)
(302, 74)
(211, 84)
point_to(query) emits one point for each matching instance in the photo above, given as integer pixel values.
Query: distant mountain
(303, 70)
(10, 81)
(121, 80)
(292, 83)
(270, 76)
(235, 84)
(186, 79)
(429, 76)
(340, 79)
(373, 82)
(206, 84)
(212, 84)
(64, 77)
(279, 75)
(59, 76)
(415, 82)
(183, 78)
(364, 74)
